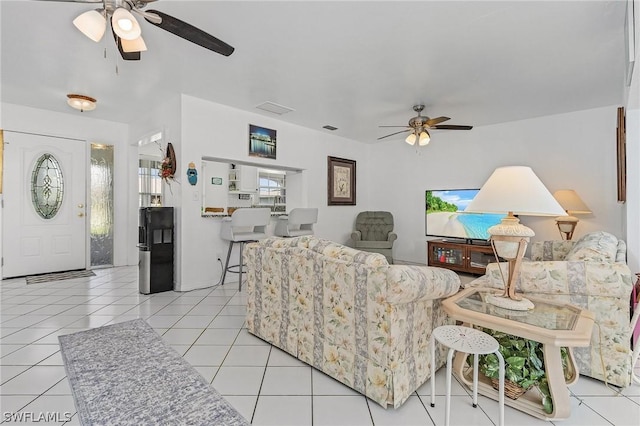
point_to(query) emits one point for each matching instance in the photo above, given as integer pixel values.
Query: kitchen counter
(273, 214)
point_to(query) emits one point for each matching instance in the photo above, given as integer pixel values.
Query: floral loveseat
(347, 312)
(591, 273)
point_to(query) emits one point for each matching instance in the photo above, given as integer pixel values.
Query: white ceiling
(354, 65)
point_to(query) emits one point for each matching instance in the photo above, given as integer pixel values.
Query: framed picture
(621, 146)
(341, 182)
(262, 142)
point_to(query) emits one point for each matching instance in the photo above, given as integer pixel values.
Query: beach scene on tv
(445, 216)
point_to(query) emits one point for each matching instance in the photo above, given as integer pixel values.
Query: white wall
(79, 125)
(214, 195)
(632, 218)
(632, 206)
(164, 117)
(210, 129)
(573, 151)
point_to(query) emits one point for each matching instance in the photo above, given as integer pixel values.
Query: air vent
(274, 108)
(328, 127)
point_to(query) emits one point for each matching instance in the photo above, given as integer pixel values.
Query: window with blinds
(149, 183)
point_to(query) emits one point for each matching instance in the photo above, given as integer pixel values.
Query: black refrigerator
(155, 238)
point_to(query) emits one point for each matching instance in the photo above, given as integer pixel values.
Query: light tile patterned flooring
(264, 383)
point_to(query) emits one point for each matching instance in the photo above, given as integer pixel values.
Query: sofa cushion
(595, 247)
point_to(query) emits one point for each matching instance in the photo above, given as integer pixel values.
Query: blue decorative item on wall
(192, 174)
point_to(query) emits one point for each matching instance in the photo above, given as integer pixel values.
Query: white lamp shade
(411, 139)
(515, 189)
(136, 45)
(125, 25)
(571, 202)
(92, 24)
(424, 138)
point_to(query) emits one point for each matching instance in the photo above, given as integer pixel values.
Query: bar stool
(244, 225)
(297, 223)
(470, 341)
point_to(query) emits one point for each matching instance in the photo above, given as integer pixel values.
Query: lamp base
(511, 304)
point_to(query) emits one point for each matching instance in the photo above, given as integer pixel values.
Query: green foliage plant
(437, 204)
(524, 364)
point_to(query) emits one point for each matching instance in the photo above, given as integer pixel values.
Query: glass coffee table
(555, 325)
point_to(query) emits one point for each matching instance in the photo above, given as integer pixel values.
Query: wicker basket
(511, 389)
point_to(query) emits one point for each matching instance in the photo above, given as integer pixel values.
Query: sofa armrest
(356, 235)
(392, 237)
(414, 283)
(599, 279)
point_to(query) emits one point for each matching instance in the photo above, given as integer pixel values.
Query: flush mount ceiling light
(81, 102)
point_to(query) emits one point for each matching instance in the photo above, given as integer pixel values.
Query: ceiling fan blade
(191, 33)
(452, 127)
(396, 133)
(76, 1)
(127, 56)
(433, 121)
(396, 126)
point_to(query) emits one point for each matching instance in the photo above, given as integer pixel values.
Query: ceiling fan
(126, 30)
(419, 127)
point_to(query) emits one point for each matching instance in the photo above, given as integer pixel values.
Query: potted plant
(524, 366)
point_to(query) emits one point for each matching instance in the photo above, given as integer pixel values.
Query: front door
(43, 227)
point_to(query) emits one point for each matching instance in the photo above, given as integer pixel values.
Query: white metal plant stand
(470, 341)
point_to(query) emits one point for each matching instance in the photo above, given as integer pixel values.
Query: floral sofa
(591, 273)
(347, 312)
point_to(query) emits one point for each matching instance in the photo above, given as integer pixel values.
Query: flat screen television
(445, 216)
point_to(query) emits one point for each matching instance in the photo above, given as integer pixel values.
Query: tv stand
(462, 256)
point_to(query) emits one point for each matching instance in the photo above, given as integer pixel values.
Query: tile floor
(265, 384)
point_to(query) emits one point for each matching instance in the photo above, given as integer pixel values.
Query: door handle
(80, 214)
(80, 206)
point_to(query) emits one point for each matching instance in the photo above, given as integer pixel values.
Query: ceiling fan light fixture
(411, 139)
(136, 45)
(81, 102)
(424, 138)
(92, 24)
(125, 25)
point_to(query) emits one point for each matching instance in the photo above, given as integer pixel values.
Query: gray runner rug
(124, 374)
(58, 276)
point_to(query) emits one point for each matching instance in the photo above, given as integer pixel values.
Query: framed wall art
(341, 182)
(621, 155)
(262, 142)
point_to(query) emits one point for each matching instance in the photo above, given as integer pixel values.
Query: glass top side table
(555, 325)
(544, 314)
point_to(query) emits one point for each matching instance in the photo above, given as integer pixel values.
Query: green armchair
(374, 233)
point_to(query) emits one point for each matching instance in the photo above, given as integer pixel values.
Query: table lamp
(513, 190)
(572, 204)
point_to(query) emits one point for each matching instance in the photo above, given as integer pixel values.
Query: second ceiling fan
(420, 125)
